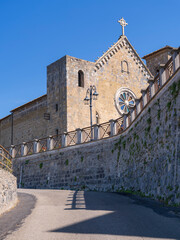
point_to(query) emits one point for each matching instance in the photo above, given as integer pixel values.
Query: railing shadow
(118, 215)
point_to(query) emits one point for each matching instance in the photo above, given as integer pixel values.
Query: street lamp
(91, 94)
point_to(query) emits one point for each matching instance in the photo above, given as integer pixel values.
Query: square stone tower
(154, 59)
(65, 94)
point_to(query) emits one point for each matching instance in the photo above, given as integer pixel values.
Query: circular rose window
(125, 100)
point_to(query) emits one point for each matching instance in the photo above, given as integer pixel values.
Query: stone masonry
(8, 191)
(120, 66)
(28, 123)
(145, 158)
(161, 56)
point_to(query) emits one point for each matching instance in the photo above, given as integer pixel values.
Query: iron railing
(5, 159)
(104, 130)
(87, 134)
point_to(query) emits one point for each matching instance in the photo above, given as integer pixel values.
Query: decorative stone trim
(121, 102)
(121, 43)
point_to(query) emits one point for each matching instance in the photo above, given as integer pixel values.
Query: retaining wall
(8, 191)
(144, 158)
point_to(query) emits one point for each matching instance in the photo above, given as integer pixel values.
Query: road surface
(72, 215)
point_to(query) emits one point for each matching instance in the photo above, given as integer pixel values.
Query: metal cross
(123, 23)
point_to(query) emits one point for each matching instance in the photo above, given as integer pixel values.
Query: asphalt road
(71, 215)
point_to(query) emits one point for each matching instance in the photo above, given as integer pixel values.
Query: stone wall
(154, 60)
(8, 191)
(5, 131)
(145, 158)
(28, 123)
(57, 95)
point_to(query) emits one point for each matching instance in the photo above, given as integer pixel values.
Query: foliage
(40, 165)
(27, 161)
(124, 144)
(149, 120)
(157, 129)
(169, 105)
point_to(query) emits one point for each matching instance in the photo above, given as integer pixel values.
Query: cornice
(122, 43)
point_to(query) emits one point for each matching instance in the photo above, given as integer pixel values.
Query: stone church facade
(62, 109)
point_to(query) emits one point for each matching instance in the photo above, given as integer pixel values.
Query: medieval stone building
(119, 75)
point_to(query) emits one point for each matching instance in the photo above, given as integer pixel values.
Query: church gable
(120, 68)
(122, 45)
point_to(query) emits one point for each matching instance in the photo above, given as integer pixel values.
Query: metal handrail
(5, 159)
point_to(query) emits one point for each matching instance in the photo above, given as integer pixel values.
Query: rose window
(125, 100)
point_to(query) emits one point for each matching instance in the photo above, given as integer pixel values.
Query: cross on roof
(123, 23)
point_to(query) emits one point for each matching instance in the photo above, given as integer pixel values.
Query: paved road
(71, 215)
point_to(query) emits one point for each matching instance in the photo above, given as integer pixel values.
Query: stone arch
(124, 66)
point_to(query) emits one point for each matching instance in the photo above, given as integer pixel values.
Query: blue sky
(35, 33)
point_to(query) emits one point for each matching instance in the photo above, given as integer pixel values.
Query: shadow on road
(122, 215)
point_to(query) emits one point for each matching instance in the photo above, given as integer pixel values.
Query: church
(117, 78)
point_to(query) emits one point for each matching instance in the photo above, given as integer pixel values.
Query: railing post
(144, 96)
(162, 75)
(133, 114)
(24, 149)
(78, 130)
(176, 62)
(12, 151)
(138, 107)
(64, 139)
(152, 86)
(36, 146)
(112, 127)
(115, 127)
(96, 131)
(50, 143)
(126, 121)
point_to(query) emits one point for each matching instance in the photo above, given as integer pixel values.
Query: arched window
(80, 78)
(124, 66)
(57, 131)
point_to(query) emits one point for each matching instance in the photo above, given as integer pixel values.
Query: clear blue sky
(35, 33)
